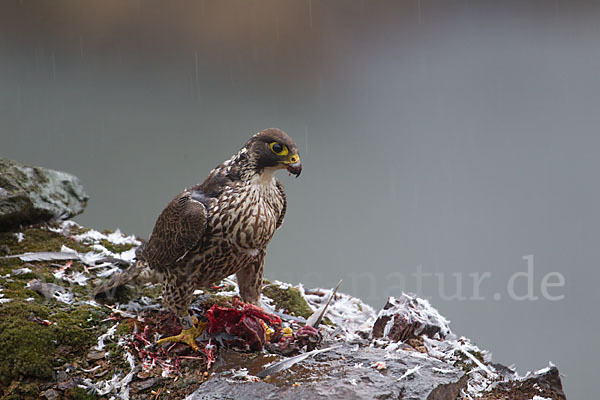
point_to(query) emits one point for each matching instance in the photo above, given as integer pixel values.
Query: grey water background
(453, 137)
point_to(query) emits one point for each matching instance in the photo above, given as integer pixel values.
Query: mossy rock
(35, 194)
(218, 289)
(116, 248)
(24, 345)
(288, 300)
(36, 239)
(27, 347)
(39, 239)
(206, 301)
(78, 393)
(152, 291)
(16, 289)
(22, 389)
(466, 364)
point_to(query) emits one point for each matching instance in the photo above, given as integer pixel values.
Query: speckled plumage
(221, 226)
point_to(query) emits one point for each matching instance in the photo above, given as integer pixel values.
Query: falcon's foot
(188, 335)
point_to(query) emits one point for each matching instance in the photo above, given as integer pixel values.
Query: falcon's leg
(177, 297)
(250, 279)
(191, 329)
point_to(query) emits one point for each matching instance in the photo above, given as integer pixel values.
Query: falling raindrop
(305, 151)
(196, 66)
(53, 67)
(18, 97)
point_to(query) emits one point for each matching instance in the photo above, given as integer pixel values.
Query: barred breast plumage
(223, 225)
(243, 221)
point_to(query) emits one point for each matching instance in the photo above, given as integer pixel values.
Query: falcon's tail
(139, 271)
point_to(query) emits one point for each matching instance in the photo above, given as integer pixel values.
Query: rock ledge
(30, 195)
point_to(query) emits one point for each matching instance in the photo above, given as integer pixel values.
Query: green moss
(38, 239)
(16, 287)
(74, 230)
(151, 291)
(124, 328)
(210, 300)
(48, 278)
(116, 248)
(116, 357)
(26, 390)
(26, 277)
(289, 300)
(23, 294)
(466, 364)
(27, 347)
(215, 290)
(30, 350)
(122, 294)
(12, 289)
(24, 344)
(113, 350)
(76, 328)
(8, 264)
(77, 393)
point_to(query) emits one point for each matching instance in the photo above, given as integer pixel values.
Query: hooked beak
(293, 165)
(295, 168)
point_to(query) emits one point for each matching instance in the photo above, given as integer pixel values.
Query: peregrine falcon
(219, 227)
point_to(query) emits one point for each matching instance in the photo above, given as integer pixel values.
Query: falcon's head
(273, 149)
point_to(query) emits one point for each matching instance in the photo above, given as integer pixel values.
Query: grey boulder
(30, 195)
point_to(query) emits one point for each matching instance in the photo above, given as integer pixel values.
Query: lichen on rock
(30, 195)
(288, 299)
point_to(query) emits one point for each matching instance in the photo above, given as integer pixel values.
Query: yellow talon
(287, 332)
(187, 336)
(268, 331)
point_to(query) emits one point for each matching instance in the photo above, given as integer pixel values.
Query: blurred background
(446, 137)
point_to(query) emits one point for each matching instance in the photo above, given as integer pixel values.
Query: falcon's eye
(278, 148)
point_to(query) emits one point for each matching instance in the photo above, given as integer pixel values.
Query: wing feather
(179, 228)
(282, 191)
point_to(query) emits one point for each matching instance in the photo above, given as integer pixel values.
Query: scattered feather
(409, 372)
(379, 365)
(51, 291)
(45, 256)
(108, 335)
(21, 271)
(484, 368)
(115, 237)
(443, 370)
(242, 374)
(291, 361)
(315, 319)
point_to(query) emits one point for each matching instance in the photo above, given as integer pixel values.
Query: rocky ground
(58, 341)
